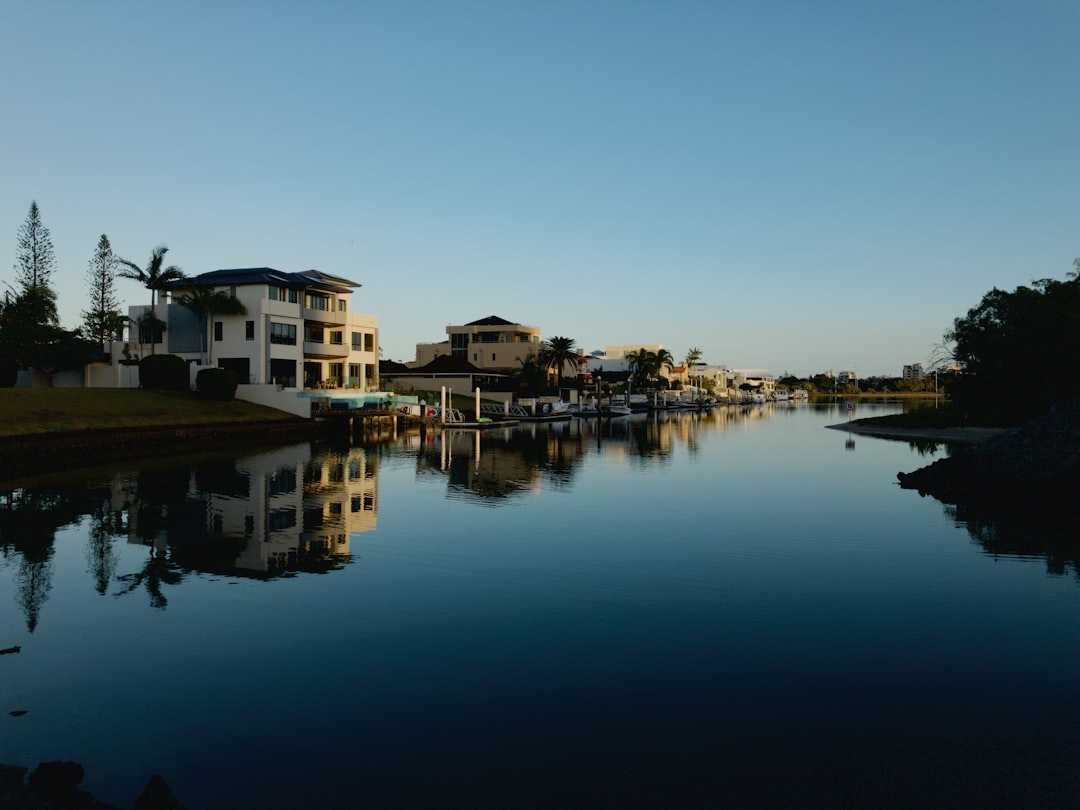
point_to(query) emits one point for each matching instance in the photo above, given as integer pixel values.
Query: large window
(356, 341)
(283, 372)
(314, 334)
(369, 342)
(336, 338)
(316, 301)
(283, 333)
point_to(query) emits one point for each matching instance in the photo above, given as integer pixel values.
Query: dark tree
(1019, 351)
(34, 256)
(556, 354)
(100, 319)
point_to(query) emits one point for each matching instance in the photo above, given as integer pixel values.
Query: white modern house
(299, 333)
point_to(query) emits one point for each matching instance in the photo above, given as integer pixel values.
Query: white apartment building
(299, 330)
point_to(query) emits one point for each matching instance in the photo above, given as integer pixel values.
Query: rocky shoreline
(1033, 469)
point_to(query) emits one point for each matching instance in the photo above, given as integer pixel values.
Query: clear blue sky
(798, 186)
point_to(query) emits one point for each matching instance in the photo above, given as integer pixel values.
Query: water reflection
(258, 516)
(496, 464)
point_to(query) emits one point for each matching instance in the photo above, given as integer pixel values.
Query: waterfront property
(492, 344)
(291, 332)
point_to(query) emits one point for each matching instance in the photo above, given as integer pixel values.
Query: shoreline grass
(50, 411)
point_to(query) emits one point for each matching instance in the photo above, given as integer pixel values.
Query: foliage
(530, 377)
(101, 319)
(31, 338)
(558, 353)
(645, 366)
(154, 276)
(206, 302)
(167, 372)
(216, 384)
(1018, 350)
(35, 259)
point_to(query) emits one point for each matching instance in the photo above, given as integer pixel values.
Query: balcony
(326, 316)
(332, 350)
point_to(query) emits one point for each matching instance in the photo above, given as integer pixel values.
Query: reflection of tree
(156, 572)
(28, 523)
(1029, 533)
(101, 557)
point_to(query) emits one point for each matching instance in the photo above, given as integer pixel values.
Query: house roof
(449, 364)
(491, 320)
(391, 367)
(309, 279)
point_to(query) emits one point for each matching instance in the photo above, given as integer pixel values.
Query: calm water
(735, 609)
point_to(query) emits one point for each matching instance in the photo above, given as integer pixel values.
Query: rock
(57, 780)
(157, 796)
(1034, 468)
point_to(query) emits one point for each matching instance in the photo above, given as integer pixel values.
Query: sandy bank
(952, 435)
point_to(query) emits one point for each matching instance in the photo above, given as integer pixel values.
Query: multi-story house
(298, 330)
(491, 343)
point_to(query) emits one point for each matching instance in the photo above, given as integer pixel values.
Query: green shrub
(164, 371)
(216, 383)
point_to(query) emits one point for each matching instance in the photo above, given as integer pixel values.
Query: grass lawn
(34, 411)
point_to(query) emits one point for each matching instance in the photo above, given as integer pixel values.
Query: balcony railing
(326, 316)
(325, 349)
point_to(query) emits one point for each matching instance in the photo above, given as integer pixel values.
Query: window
(218, 330)
(493, 357)
(283, 372)
(232, 291)
(314, 334)
(369, 343)
(294, 296)
(316, 301)
(283, 334)
(475, 357)
(356, 338)
(336, 338)
(249, 330)
(342, 305)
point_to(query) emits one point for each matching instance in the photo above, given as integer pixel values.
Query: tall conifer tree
(34, 256)
(99, 321)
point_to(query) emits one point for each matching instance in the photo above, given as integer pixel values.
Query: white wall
(284, 399)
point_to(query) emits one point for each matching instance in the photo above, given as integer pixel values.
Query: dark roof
(309, 279)
(391, 367)
(449, 364)
(491, 320)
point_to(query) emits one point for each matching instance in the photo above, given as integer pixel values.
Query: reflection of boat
(757, 399)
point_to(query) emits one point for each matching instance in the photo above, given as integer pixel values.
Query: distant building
(491, 343)
(846, 378)
(913, 372)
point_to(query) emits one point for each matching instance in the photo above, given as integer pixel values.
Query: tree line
(31, 336)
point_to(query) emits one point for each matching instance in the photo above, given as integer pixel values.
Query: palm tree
(206, 302)
(558, 352)
(662, 360)
(154, 277)
(642, 364)
(692, 357)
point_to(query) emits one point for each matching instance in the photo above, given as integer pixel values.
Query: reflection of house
(264, 514)
(491, 343)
